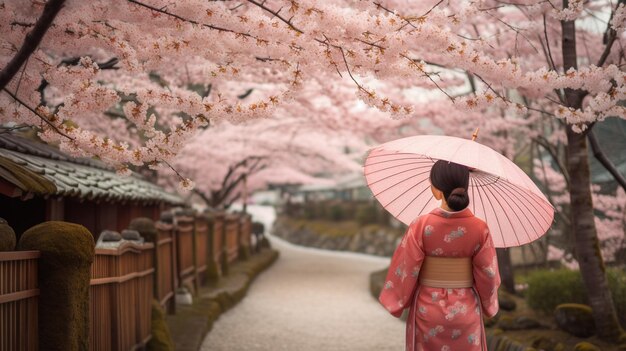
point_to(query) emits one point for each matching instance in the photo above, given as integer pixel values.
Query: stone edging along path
(191, 323)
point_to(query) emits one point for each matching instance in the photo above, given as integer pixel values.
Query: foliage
(548, 289)
(161, 339)
(336, 212)
(326, 227)
(366, 214)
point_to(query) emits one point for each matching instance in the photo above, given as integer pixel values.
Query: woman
(445, 271)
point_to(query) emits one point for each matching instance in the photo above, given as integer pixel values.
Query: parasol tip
(475, 134)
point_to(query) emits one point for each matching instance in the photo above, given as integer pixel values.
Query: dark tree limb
(37, 113)
(555, 156)
(217, 198)
(599, 154)
(31, 41)
(109, 64)
(203, 196)
(228, 187)
(232, 200)
(73, 61)
(609, 37)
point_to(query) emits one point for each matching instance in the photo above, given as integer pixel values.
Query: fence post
(146, 228)
(201, 247)
(244, 236)
(167, 265)
(224, 255)
(213, 269)
(186, 251)
(67, 251)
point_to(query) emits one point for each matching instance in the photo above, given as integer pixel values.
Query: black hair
(453, 180)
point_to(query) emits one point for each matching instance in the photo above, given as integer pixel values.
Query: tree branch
(167, 13)
(276, 14)
(37, 113)
(599, 154)
(203, 196)
(229, 183)
(31, 41)
(610, 37)
(546, 145)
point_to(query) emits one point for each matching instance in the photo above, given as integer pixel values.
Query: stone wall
(371, 239)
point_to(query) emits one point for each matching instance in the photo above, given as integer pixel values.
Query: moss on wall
(244, 252)
(586, 346)
(161, 338)
(212, 271)
(67, 251)
(145, 227)
(7, 237)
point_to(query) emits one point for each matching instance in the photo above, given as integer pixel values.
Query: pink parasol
(514, 208)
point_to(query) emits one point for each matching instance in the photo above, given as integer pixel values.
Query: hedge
(550, 288)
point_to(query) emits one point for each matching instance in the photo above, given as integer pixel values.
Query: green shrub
(366, 214)
(336, 213)
(310, 211)
(548, 289)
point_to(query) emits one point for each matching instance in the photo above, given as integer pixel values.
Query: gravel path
(308, 300)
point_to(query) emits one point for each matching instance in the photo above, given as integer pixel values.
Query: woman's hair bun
(458, 199)
(458, 191)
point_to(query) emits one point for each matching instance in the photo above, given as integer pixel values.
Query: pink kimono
(443, 319)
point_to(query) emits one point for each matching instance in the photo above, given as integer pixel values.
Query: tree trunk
(586, 239)
(506, 269)
(586, 244)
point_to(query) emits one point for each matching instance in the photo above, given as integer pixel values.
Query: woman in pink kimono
(445, 271)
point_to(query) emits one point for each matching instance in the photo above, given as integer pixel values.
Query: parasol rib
(490, 189)
(397, 197)
(497, 219)
(395, 184)
(397, 166)
(532, 196)
(524, 203)
(415, 198)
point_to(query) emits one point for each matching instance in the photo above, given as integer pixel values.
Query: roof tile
(84, 178)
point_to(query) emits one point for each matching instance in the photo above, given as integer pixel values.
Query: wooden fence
(245, 230)
(232, 237)
(201, 244)
(18, 301)
(124, 281)
(166, 268)
(185, 251)
(120, 297)
(217, 242)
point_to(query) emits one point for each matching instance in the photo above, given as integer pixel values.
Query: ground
(309, 300)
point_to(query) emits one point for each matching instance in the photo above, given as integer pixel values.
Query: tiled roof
(75, 177)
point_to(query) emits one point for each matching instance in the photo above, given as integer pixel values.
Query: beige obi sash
(446, 272)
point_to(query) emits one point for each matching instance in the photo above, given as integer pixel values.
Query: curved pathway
(308, 300)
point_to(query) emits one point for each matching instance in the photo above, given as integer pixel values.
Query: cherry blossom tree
(224, 157)
(533, 58)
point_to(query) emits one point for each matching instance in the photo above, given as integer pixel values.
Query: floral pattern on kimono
(440, 318)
